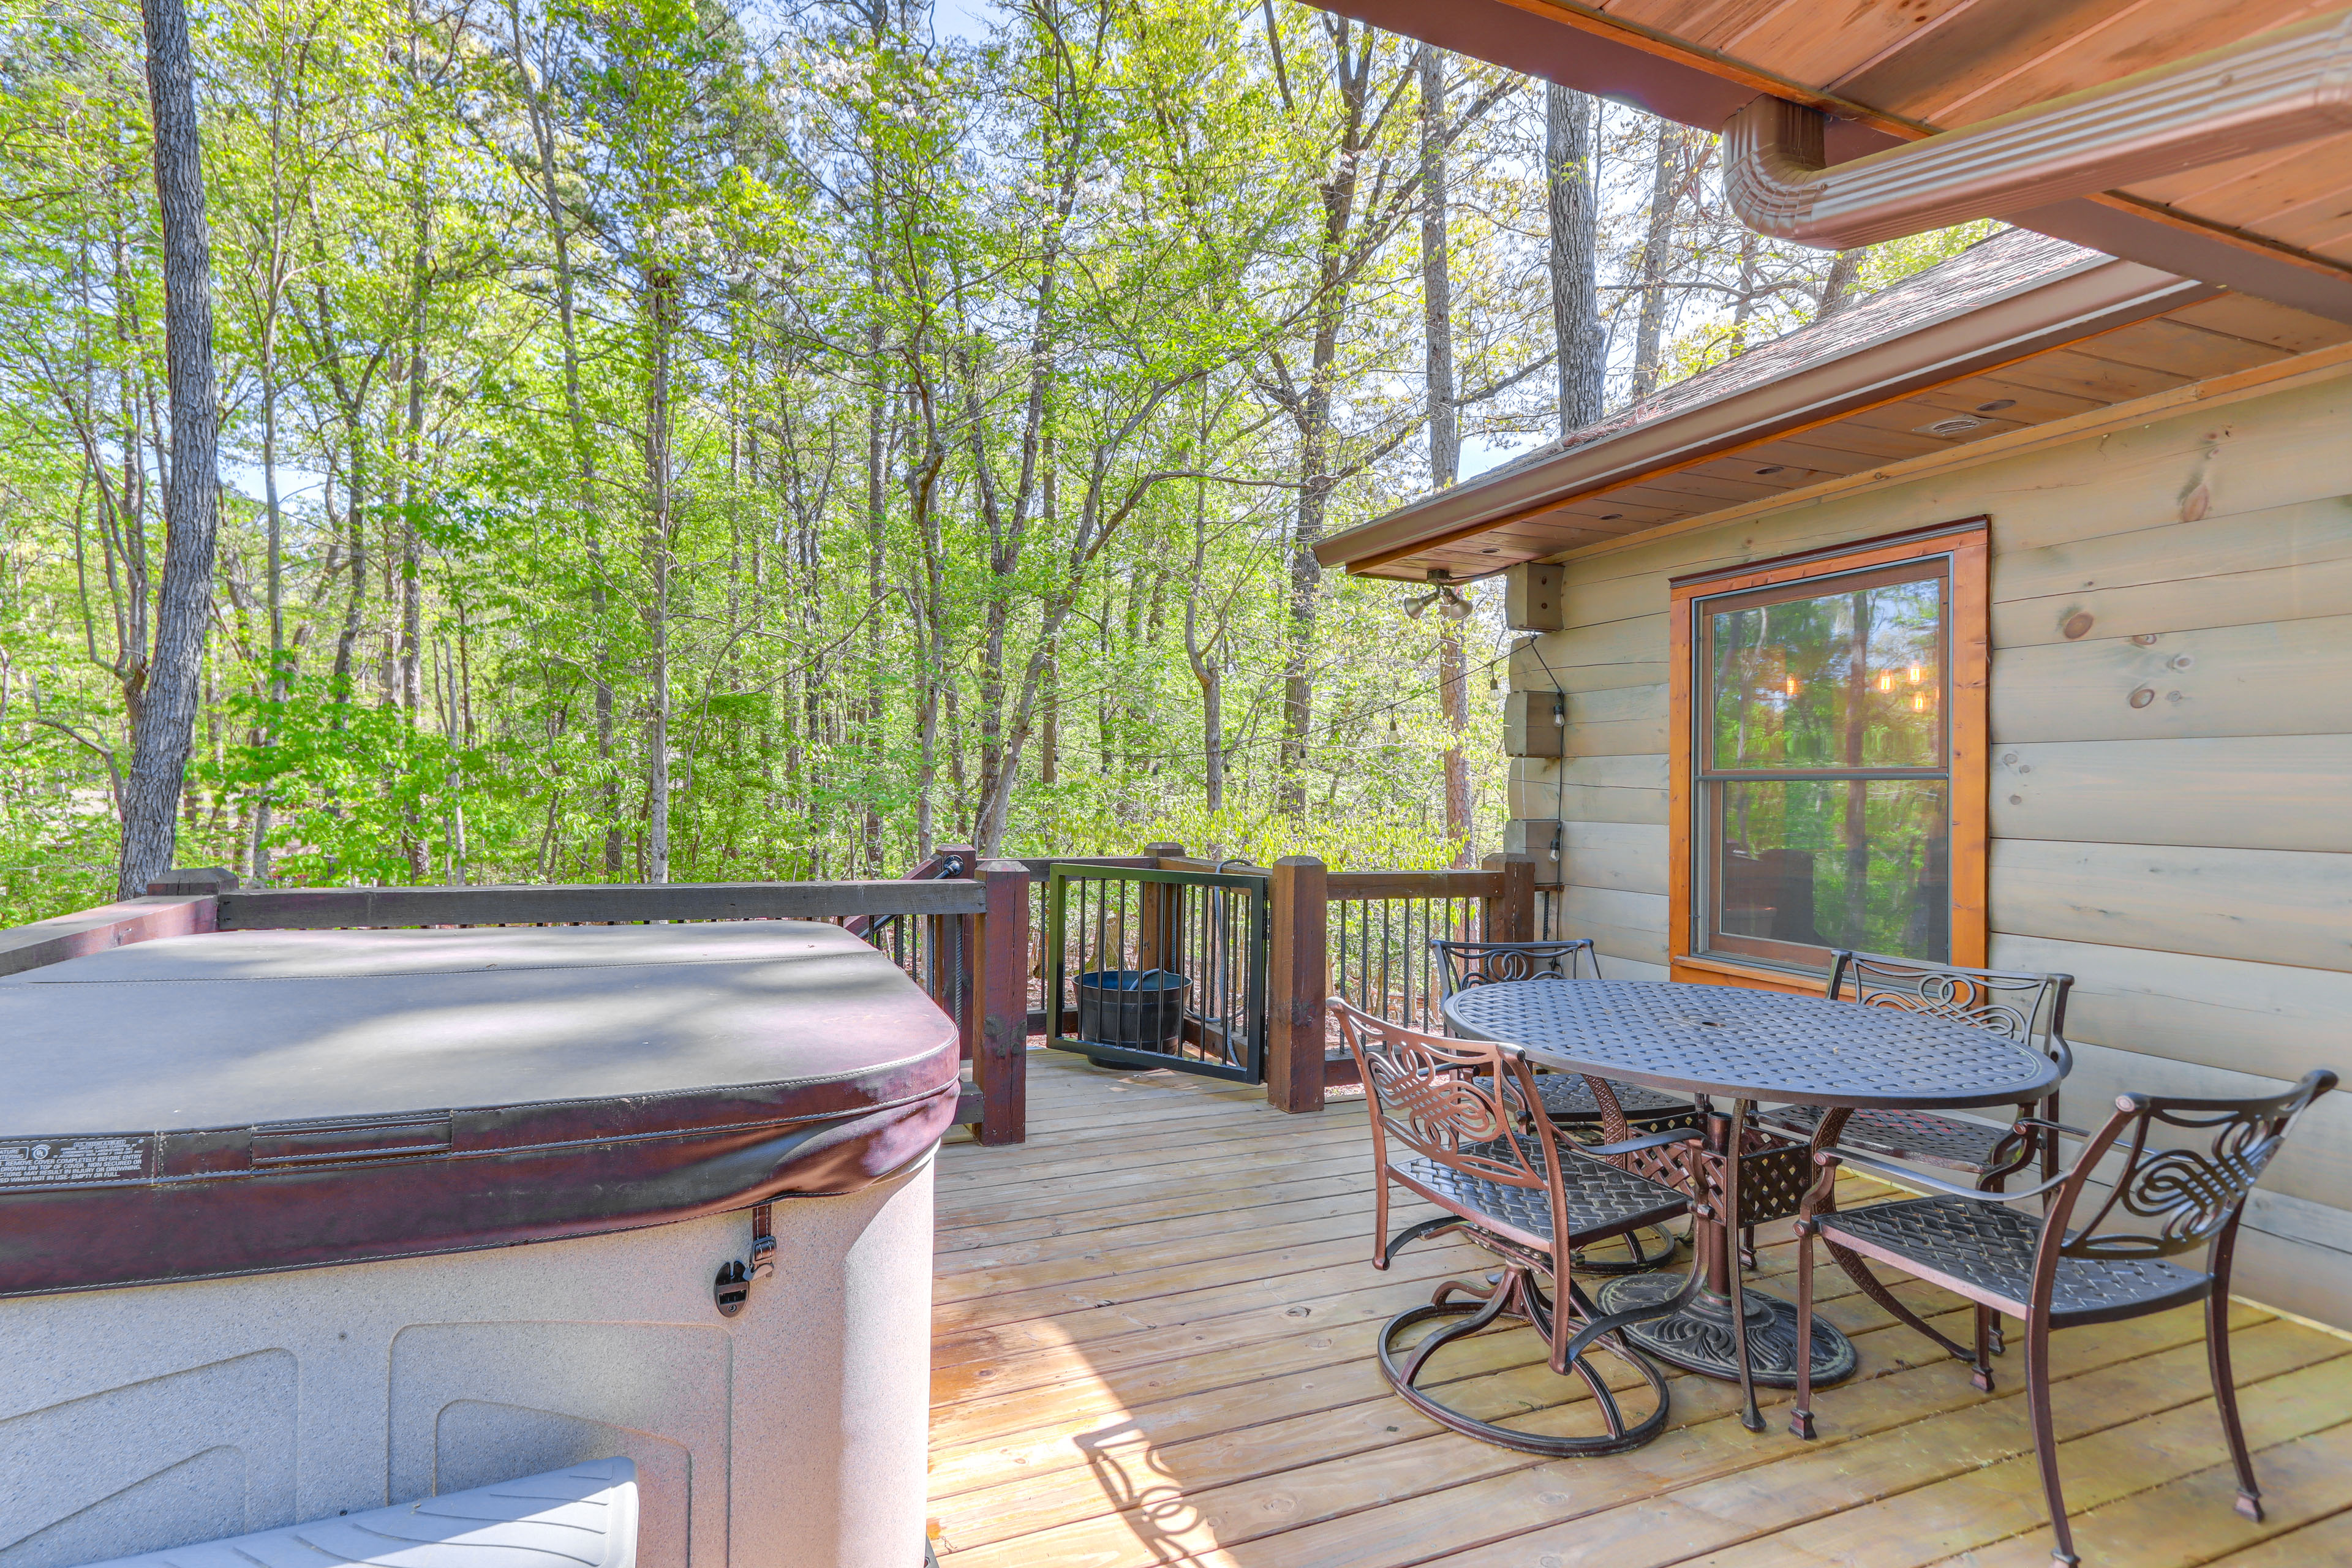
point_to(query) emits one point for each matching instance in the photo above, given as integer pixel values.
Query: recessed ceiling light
(1611, 516)
(1773, 470)
(1487, 552)
(1958, 424)
(1997, 405)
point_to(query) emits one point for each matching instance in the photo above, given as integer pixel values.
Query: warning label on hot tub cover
(58, 1162)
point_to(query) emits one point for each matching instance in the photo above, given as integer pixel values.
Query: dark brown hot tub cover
(247, 1101)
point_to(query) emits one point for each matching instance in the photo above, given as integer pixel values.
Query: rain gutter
(2273, 90)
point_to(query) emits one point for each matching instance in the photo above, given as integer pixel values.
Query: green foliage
(836, 438)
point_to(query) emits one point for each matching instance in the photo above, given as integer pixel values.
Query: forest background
(661, 441)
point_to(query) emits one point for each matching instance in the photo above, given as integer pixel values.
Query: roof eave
(1702, 88)
(2073, 305)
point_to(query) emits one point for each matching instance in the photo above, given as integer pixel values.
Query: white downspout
(2273, 90)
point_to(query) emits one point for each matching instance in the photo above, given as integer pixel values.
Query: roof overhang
(1671, 77)
(2096, 295)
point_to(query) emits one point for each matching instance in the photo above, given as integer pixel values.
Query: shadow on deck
(1153, 1345)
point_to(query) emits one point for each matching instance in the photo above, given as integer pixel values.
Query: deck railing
(963, 937)
(969, 931)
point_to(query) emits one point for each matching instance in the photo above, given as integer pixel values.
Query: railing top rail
(330, 908)
(1039, 864)
(1449, 883)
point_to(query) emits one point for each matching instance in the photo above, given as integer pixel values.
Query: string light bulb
(1918, 702)
(1916, 673)
(1885, 681)
(1792, 686)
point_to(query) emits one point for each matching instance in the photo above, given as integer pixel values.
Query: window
(1829, 724)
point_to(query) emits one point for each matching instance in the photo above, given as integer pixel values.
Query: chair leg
(2225, 1385)
(2045, 1435)
(1801, 1420)
(1747, 1247)
(1381, 1222)
(1990, 1340)
(1876, 1288)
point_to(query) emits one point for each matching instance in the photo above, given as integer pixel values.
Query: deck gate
(1158, 968)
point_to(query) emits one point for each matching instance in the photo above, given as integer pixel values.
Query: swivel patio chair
(1455, 1122)
(2027, 1007)
(1568, 1098)
(2054, 1273)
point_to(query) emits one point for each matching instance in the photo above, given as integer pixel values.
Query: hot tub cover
(244, 1101)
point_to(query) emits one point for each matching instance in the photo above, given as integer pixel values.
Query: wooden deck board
(1153, 1346)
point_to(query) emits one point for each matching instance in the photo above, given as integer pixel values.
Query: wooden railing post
(1510, 915)
(1002, 1062)
(1160, 921)
(951, 961)
(1298, 976)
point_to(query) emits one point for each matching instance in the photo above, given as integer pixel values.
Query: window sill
(1717, 972)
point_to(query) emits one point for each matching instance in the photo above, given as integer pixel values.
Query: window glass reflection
(1859, 863)
(1850, 679)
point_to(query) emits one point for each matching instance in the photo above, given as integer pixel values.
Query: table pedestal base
(1698, 1338)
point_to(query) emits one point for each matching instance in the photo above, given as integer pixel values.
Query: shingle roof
(1993, 266)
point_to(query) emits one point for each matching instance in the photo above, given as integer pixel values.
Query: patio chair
(2055, 1274)
(1453, 1122)
(1568, 1098)
(2022, 1007)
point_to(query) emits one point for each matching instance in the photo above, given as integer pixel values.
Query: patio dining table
(1730, 1048)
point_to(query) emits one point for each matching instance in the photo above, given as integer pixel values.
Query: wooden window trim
(1968, 546)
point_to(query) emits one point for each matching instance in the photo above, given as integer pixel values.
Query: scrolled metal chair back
(2030, 1008)
(1463, 965)
(2186, 1196)
(1426, 1092)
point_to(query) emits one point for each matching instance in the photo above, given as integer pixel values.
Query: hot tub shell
(141, 1416)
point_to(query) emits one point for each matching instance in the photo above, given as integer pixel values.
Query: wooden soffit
(2277, 225)
(1833, 402)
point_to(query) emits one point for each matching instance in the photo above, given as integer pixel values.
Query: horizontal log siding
(2189, 860)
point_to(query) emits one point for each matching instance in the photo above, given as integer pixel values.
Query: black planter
(1140, 1009)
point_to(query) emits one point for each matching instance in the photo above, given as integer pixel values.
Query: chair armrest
(1905, 1175)
(1646, 1140)
(2063, 1052)
(2050, 1126)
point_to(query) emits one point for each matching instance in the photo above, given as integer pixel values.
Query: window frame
(1964, 547)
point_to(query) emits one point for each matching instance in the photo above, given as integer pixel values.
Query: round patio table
(1717, 1042)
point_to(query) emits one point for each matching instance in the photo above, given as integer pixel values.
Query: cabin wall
(2189, 860)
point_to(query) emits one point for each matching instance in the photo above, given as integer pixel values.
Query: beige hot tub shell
(792, 1436)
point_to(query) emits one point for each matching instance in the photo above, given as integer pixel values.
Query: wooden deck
(1152, 1346)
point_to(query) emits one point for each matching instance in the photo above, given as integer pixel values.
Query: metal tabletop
(1754, 1045)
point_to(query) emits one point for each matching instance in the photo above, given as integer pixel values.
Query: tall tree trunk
(661, 287)
(1837, 288)
(410, 692)
(1352, 65)
(1444, 434)
(1657, 235)
(1582, 348)
(870, 710)
(159, 755)
(1049, 737)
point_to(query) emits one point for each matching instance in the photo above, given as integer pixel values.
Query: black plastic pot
(1142, 1009)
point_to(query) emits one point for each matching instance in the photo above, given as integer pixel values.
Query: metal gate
(1151, 968)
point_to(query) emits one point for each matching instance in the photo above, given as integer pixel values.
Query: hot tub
(300, 1224)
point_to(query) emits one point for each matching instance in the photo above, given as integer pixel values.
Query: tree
(1572, 231)
(159, 755)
